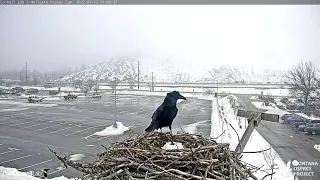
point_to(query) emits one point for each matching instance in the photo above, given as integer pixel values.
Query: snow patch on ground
(317, 147)
(255, 143)
(15, 109)
(111, 130)
(307, 117)
(90, 145)
(215, 119)
(192, 128)
(254, 97)
(260, 105)
(27, 104)
(76, 157)
(175, 145)
(13, 174)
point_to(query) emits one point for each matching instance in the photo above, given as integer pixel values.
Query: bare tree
(90, 84)
(85, 89)
(77, 84)
(302, 81)
(35, 81)
(131, 84)
(269, 157)
(1, 82)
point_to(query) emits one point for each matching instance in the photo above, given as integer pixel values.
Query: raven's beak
(182, 97)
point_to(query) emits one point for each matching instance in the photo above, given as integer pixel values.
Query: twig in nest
(257, 151)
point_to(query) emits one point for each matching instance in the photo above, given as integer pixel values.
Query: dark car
(293, 119)
(32, 91)
(70, 96)
(300, 106)
(285, 116)
(291, 106)
(302, 127)
(284, 100)
(17, 90)
(313, 128)
(299, 122)
(53, 92)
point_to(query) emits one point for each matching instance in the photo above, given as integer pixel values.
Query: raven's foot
(171, 137)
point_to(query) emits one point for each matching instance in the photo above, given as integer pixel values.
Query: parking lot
(26, 129)
(289, 143)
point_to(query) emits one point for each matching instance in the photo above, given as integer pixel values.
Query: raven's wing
(155, 123)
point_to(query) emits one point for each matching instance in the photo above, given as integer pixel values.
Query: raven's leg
(171, 136)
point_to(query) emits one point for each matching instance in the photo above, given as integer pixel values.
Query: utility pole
(52, 76)
(20, 77)
(152, 88)
(26, 74)
(115, 102)
(138, 73)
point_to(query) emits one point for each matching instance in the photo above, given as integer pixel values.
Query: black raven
(166, 112)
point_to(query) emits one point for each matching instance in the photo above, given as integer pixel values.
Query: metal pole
(115, 103)
(217, 86)
(138, 73)
(152, 81)
(26, 74)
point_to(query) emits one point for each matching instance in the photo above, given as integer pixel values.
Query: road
(288, 143)
(26, 129)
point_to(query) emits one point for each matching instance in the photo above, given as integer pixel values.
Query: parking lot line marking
(38, 124)
(25, 122)
(52, 126)
(9, 151)
(46, 145)
(15, 159)
(1, 144)
(80, 131)
(61, 129)
(11, 121)
(35, 164)
(56, 171)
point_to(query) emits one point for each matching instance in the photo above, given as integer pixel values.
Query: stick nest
(143, 157)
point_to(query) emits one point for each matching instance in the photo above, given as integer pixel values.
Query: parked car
(96, 95)
(299, 122)
(283, 117)
(302, 127)
(291, 106)
(70, 96)
(284, 100)
(300, 106)
(33, 99)
(53, 92)
(313, 128)
(32, 91)
(291, 120)
(17, 90)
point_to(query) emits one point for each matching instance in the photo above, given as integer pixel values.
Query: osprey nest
(144, 157)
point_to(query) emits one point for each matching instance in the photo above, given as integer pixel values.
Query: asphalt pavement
(27, 129)
(289, 144)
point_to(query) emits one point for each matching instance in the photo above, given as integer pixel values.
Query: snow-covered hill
(164, 70)
(122, 68)
(228, 74)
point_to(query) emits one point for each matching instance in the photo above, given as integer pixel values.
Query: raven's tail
(150, 128)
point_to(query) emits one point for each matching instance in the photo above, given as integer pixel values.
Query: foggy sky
(56, 37)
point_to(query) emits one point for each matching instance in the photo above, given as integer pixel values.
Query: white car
(33, 99)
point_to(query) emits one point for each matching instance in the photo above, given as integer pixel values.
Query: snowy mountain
(122, 68)
(164, 70)
(229, 74)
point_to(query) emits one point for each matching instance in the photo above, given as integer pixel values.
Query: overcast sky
(54, 37)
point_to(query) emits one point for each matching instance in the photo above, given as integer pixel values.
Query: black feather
(166, 112)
